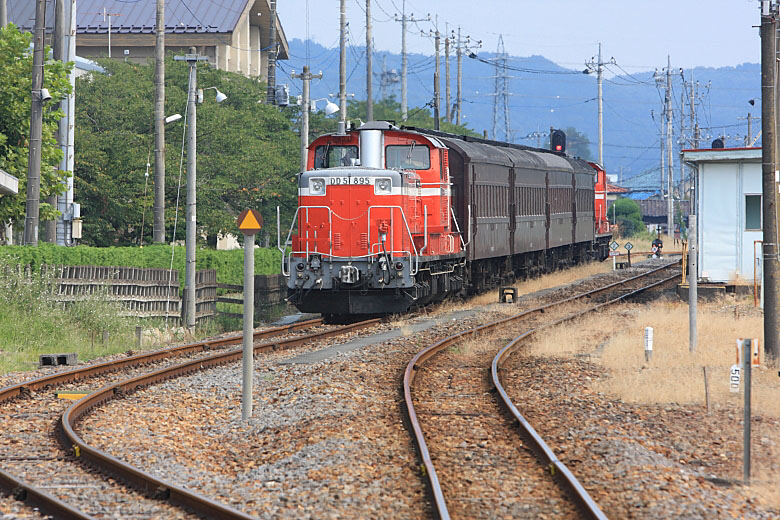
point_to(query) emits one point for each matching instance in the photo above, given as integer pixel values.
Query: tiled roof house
(234, 34)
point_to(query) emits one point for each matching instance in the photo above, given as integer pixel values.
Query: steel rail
(33, 497)
(587, 505)
(421, 357)
(144, 358)
(145, 482)
(47, 503)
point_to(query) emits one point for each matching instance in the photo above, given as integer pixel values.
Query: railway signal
(558, 141)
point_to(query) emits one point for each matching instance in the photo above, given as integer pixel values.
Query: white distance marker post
(249, 223)
(747, 366)
(648, 344)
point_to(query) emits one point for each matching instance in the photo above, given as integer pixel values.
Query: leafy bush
(228, 264)
(628, 216)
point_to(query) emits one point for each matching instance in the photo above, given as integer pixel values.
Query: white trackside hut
(729, 207)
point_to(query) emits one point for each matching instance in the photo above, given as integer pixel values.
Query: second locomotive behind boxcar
(515, 211)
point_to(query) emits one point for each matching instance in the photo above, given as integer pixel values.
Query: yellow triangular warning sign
(250, 221)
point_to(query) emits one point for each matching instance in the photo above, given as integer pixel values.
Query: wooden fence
(154, 293)
(269, 290)
(144, 293)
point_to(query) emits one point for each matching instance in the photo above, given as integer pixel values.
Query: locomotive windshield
(408, 157)
(329, 156)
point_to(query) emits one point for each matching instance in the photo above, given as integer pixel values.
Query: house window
(753, 212)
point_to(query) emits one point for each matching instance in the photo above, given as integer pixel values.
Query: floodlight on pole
(220, 96)
(330, 107)
(172, 118)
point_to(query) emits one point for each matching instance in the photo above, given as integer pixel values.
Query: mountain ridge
(538, 101)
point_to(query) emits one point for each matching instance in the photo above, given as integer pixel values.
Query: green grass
(33, 323)
(228, 264)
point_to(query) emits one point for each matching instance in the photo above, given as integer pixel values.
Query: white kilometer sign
(735, 376)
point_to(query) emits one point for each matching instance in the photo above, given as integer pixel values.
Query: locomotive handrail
(460, 233)
(408, 231)
(292, 225)
(414, 260)
(425, 229)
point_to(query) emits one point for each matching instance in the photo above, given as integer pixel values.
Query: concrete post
(158, 231)
(249, 326)
(190, 213)
(692, 282)
(32, 208)
(747, 354)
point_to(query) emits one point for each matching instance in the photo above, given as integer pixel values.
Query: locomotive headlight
(316, 186)
(383, 186)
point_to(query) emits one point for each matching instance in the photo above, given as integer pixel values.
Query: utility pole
(192, 60)
(3, 13)
(58, 52)
(448, 111)
(404, 20)
(749, 135)
(36, 129)
(694, 121)
(436, 91)
(681, 142)
(270, 96)
(158, 231)
(306, 77)
(68, 210)
(598, 67)
(458, 96)
(670, 176)
(461, 43)
(108, 15)
(663, 158)
(369, 72)
(343, 70)
(768, 150)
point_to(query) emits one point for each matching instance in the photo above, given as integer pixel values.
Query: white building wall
(725, 246)
(750, 175)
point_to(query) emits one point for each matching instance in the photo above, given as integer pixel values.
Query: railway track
(43, 459)
(466, 427)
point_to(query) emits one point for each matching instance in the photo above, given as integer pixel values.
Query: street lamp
(220, 96)
(330, 107)
(194, 96)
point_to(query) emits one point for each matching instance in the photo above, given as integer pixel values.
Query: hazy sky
(638, 34)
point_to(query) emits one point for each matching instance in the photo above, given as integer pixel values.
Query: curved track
(449, 421)
(161, 492)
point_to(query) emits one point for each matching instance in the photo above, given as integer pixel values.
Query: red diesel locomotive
(389, 218)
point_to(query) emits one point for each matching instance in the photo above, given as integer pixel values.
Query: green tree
(247, 153)
(626, 213)
(577, 144)
(15, 101)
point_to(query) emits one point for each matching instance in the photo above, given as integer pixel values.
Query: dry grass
(398, 322)
(546, 281)
(674, 375)
(645, 243)
(481, 344)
